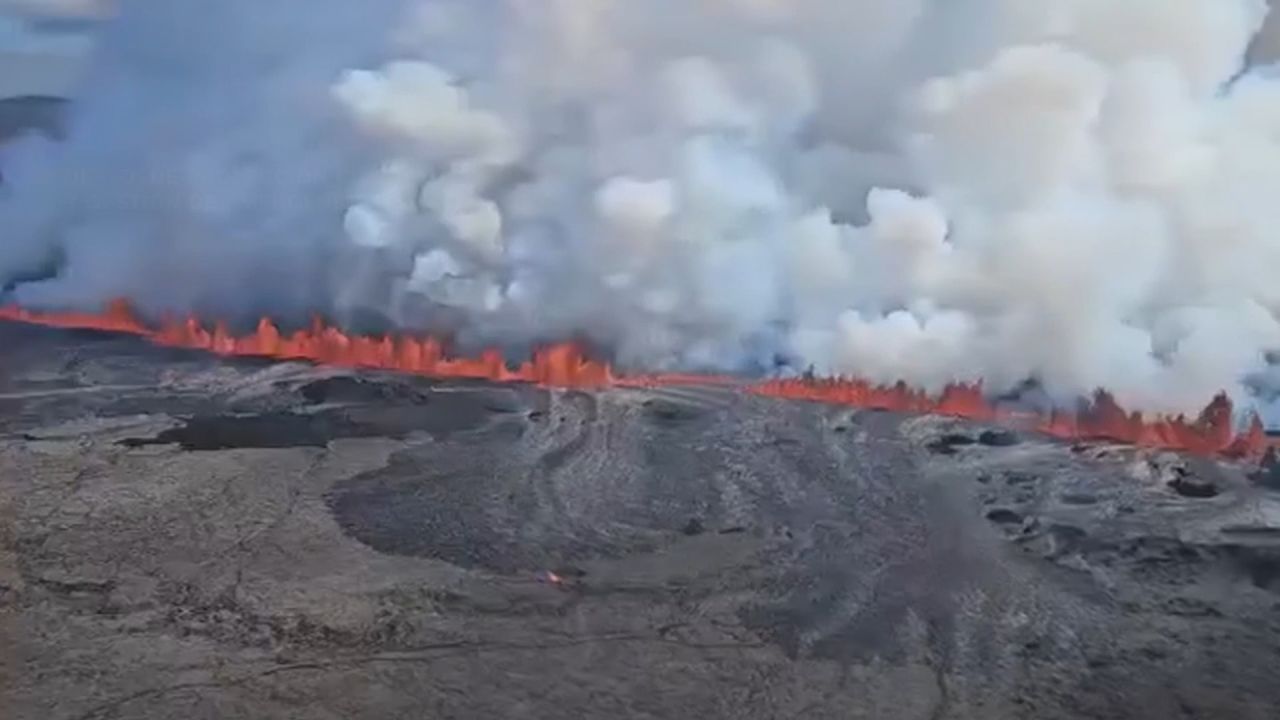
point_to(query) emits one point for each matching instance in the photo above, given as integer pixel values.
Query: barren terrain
(184, 537)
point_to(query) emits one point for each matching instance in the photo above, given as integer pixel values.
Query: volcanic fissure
(565, 365)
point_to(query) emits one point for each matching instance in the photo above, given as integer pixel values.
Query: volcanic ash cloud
(1072, 191)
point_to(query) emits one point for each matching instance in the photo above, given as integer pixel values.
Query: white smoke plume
(1077, 192)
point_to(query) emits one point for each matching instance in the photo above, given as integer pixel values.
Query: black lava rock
(1193, 487)
(1268, 475)
(1004, 516)
(998, 438)
(947, 444)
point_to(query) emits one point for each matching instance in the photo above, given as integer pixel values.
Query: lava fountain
(565, 365)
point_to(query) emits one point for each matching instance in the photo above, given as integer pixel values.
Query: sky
(44, 44)
(57, 8)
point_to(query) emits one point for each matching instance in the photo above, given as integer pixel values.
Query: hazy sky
(36, 58)
(40, 58)
(57, 8)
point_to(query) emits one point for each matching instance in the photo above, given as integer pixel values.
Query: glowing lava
(562, 365)
(565, 366)
(1099, 419)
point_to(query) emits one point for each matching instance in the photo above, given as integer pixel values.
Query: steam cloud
(1079, 192)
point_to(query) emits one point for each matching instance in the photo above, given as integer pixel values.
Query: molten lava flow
(565, 366)
(117, 317)
(1100, 419)
(562, 365)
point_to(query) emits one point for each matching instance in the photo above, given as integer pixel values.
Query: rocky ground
(184, 537)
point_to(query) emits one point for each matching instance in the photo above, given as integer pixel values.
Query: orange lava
(562, 365)
(1099, 419)
(565, 366)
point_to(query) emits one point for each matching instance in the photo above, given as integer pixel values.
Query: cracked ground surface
(184, 537)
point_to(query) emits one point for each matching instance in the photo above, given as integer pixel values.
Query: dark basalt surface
(182, 536)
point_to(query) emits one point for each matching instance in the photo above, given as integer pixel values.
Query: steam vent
(738, 359)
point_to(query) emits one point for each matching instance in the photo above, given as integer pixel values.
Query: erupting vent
(565, 366)
(1100, 419)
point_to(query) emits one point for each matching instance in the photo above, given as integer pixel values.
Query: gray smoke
(1072, 191)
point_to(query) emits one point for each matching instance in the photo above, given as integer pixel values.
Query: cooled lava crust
(183, 536)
